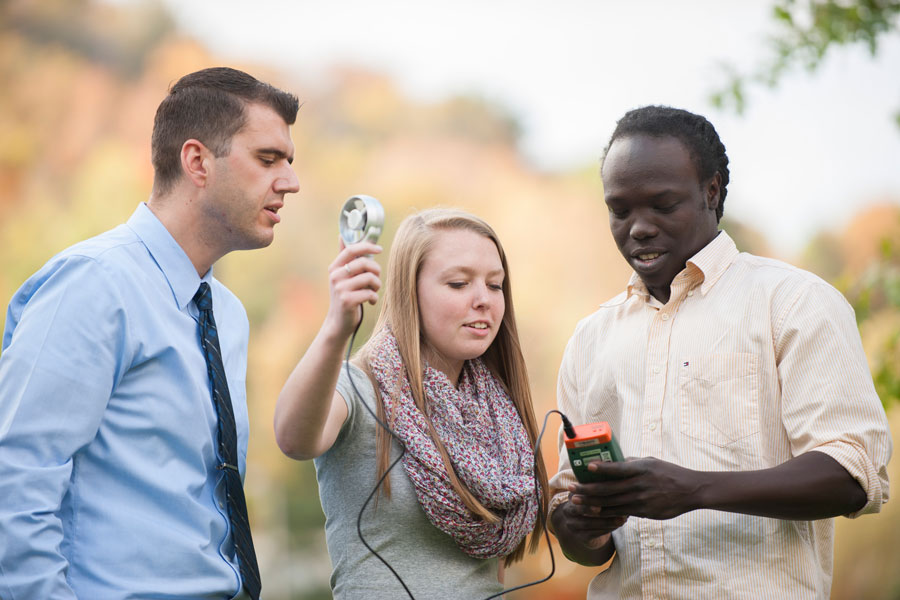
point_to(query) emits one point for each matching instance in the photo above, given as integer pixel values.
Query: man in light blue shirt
(111, 469)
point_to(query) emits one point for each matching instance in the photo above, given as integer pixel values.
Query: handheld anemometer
(361, 219)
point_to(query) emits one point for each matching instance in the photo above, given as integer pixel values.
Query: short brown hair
(208, 105)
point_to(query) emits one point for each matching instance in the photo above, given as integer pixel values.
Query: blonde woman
(444, 370)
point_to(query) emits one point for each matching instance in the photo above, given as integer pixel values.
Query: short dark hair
(208, 105)
(694, 131)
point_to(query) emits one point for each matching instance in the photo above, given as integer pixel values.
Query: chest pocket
(718, 397)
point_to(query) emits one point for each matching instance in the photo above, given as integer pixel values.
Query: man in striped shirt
(740, 380)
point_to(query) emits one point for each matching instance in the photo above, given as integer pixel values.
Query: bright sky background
(804, 157)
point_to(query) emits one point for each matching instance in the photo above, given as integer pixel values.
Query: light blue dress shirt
(108, 479)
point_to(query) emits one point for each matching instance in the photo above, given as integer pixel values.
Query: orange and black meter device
(590, 442)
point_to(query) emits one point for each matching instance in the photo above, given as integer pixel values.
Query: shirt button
(691, 293)
(651, 543)
(665, 317)
(656, 369)
(652, 426)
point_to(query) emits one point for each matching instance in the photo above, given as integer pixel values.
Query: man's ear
(195, 162)
(714, 191)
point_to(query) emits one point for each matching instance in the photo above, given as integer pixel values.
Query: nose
(481, 295)
(642, 228)
(287, 183)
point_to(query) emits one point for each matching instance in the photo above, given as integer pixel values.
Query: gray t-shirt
(428, 560)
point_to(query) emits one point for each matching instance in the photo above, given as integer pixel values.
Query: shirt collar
(175, 265)
(706, 267)
(714, 259)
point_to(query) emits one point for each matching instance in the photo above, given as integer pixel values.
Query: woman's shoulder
(354, 385)
(355, 388)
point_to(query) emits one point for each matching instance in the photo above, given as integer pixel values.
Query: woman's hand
(354, 279)
(309, 413)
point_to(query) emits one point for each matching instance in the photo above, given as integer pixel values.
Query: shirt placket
(651, 531)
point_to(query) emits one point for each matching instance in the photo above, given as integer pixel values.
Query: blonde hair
(400, 314)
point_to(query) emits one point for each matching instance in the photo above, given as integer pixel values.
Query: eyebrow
(277, 154)
(467, 270)
(660, 195)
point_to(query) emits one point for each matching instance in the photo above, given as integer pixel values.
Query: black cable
(567, 426)
(537, 486)
(387, 471)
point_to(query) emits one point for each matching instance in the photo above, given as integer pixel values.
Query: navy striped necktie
(234, 489)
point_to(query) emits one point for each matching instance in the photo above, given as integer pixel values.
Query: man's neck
(176, 213)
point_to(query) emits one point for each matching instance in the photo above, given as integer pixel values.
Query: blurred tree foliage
(876, 297)
(863, 261)
(806, 29)
(116, 39)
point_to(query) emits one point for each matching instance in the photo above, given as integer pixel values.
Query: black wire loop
(537, 483)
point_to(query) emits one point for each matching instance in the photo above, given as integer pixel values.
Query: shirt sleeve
(348, 389)
(829, 403)
(566, 398)
(62, 355)
(568, 403)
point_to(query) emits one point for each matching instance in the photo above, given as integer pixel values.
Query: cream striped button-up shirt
(751, 362)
